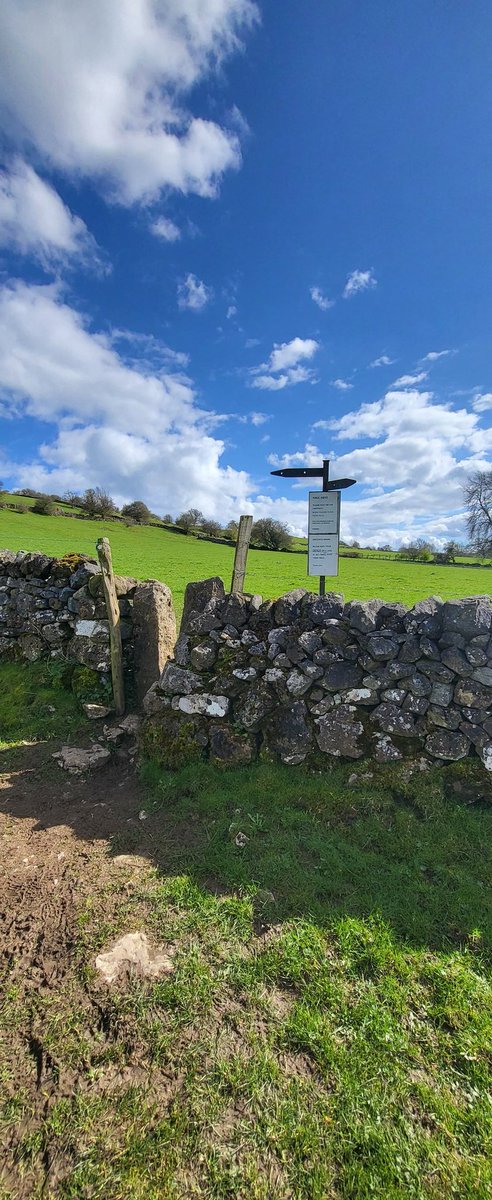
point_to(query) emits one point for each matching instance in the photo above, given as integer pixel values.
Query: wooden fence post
(240, 557)
(113, 610)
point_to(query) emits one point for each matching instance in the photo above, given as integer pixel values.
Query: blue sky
(236, 236)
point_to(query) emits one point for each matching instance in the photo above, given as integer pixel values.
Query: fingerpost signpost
(324, 519)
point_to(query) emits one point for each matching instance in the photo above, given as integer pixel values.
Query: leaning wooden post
(113, 610)
(240, 557)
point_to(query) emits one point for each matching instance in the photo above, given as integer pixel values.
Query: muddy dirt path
(56, 836)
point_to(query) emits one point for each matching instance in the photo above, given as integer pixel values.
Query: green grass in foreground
(149, 552)
(327, 1031)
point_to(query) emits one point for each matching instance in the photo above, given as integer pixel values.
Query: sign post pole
(324, 519)
(326, 476)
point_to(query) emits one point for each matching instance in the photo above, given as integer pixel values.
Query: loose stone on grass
(132, 955)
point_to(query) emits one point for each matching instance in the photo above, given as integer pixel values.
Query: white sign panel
(323, 533)
(323, 512)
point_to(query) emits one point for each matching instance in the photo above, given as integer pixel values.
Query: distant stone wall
(55, 608)
(309, 678)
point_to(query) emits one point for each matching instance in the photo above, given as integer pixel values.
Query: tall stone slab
(154, 625)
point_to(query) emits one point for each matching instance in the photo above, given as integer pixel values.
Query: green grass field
(150, 552)
(326, 1031)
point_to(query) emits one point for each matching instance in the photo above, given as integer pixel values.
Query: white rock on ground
(75, 760)
(96, 711)
(133, 953)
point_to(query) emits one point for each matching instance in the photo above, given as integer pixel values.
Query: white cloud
(151, 352)
(320, 299)
(286, 358)
(276, 383)
(412, 473)
(410, 380)
(193, 293)
(407, 413)
(34, 220)
(359, 281)
(259, 418)
(383, 361)
(98, 89)
(231, 312)
(433, 355)
(482, 402)
(165, 229)
(309, 457)
(270, 383)
(342, 385)
(139, 434)
(250, 342)
(288, 354)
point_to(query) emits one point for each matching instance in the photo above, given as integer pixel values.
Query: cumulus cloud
(35, 221)
(98, 89)
(284, 366)
(359, 281)
(320, 299)
(342, 385)
(231, 312)
(165, 229)
(410, 475)
(193, 293)
(138, 433)
(382, 361)
(288, 354)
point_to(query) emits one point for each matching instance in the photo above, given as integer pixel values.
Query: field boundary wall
(54, 608)
(311, 679)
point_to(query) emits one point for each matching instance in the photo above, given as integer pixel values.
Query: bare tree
(478, 499)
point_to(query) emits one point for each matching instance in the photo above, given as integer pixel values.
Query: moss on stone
(172, 741)
(88, 688)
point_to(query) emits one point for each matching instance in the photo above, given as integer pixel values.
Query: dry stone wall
(309, 678)
(55, 608)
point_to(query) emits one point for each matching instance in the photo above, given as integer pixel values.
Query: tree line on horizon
(267, 532)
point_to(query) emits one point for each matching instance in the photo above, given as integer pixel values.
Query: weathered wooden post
(113, 610)
(241, 555)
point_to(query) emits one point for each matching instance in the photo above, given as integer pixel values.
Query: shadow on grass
(415, 848)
